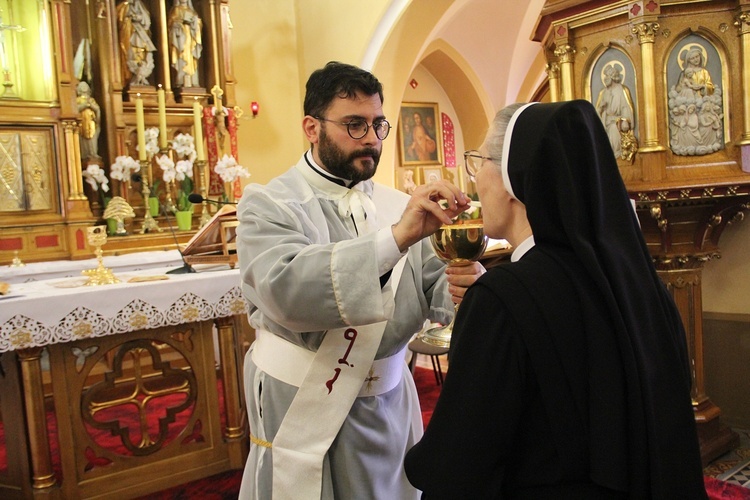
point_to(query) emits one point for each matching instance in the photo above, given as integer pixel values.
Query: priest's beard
(342, 165)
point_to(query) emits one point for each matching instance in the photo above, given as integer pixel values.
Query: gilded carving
(742, 23)
(565, 53)
(25, 178)
(696, 109)
(646, 32)
(553, 70)
(11, 174)
(615, 102)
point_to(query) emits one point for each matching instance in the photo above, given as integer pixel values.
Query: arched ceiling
(480, 51)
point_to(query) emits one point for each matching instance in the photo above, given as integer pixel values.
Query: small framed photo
(420, 136)
(409, 179)
(432, 174)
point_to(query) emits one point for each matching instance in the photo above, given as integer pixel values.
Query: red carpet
(226, 485)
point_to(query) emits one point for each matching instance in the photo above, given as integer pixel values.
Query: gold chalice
(457, 244)
(97, 236)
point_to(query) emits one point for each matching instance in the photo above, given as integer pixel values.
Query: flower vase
(111, 227)
(229, 190)
(153, 206)
(184, 219)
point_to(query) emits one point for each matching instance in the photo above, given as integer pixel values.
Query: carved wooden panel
(27, 178)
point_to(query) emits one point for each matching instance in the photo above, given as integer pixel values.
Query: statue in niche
(615, 106)
(185, 38)
(695, 106)
(136, 47)
(90, 114)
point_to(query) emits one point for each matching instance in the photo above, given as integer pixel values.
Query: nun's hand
(461, 277)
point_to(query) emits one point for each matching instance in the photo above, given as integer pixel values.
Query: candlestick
(140, 127)
(197, 118)
(149, 223)
(162, 100)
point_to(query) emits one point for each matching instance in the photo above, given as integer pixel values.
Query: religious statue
(136, 47)
(695, 106)
(90, 114)
(695, 80)
(220, 120)
(613, 104)
(185, 38)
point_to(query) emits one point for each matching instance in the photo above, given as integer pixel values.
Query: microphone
(186, 268)
(196, 198)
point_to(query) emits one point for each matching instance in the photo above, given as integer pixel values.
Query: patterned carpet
(734, 466)
(727, 478)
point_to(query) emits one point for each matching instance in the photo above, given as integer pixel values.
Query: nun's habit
(569, 373)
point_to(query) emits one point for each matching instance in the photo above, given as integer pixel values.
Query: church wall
(276, 43)
(726, 341)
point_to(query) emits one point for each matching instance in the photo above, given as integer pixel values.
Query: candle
(161, 97)
(140, 128)
(197, 116)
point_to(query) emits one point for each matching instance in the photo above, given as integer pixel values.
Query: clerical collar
(337, 180)
(522, 248)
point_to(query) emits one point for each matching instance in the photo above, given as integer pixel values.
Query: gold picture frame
(420, 135)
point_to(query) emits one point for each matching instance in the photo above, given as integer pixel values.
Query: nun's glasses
(473, 160)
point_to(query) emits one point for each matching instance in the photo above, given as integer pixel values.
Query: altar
(129, 372)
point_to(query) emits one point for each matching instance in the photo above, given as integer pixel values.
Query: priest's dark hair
(338, 79)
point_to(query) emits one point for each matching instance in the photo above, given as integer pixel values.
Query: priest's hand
(461, 277)
(431, 206)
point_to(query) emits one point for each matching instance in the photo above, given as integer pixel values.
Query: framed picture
(432, 174)
(408, 179)
(420, 137)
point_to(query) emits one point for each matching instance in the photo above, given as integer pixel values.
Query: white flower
(152, 134)
(152, 142)
(123, 167)
(95, 177)
(168, 168)
(229, 170)
(184, 146)
(184, 169)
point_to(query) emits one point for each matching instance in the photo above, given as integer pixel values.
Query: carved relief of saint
(615, 105)
(695, 105)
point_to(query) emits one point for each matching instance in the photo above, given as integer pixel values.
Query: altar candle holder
(202, 166)
(149, 224)
(169, 205)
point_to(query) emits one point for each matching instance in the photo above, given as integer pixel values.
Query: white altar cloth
(38, 271)
(39, 313)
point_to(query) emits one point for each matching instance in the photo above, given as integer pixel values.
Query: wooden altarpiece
(50, 48)
(671, 81)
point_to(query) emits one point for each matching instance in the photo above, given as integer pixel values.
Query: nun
(569, 373)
